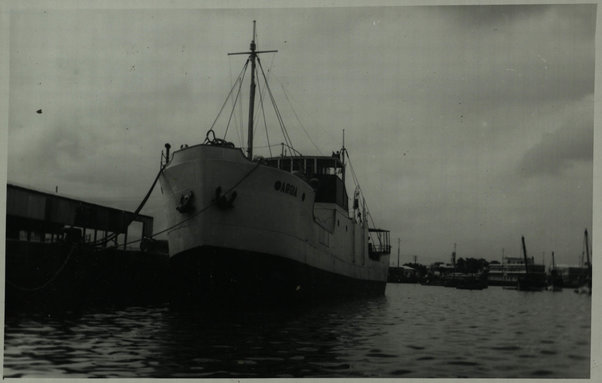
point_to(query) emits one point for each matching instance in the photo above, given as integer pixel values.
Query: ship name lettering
(286, 188)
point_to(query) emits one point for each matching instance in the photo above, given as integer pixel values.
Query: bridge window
(285, 164)
(297, 165)
(309, 167)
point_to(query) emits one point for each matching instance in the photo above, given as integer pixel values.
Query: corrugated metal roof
(38, 206)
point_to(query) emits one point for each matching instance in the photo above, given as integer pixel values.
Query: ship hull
(233, 278)
(243, 232)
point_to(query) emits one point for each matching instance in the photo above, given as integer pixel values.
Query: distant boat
(586, 287)
(466, 281)
(530, 281)
(510, 269)
(471, 282)
(249, 229)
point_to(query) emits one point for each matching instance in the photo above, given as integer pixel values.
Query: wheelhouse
(326, 174)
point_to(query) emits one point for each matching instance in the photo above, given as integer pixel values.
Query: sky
(466, 125)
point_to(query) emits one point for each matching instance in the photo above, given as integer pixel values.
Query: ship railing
(380, 243)
(379, 249)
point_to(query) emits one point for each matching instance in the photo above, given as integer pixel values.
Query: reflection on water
(415, 331)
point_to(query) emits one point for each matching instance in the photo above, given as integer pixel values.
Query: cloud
(494, 17)
(446, 110)
(570, 142)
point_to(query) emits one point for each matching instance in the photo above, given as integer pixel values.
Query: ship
(252, 229)
(531, 280)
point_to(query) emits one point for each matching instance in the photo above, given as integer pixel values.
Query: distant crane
(530, 281)
(398, 247)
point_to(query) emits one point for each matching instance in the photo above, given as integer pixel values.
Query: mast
(343, 159)
(252, 57)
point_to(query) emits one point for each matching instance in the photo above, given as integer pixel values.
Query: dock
(66, 252)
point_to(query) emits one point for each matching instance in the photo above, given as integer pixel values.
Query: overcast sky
(465, 124)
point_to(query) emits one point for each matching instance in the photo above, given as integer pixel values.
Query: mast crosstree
(252, 57)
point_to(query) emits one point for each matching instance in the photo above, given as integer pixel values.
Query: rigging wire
(239, 82)
(299, 120)
(276, 110)
(239, 120)
(359, 188)
(200, 211)
(261, 92)
(52, 277)
(239, 130)
(368, 215)
(136, 213)
(256, 117)
(291, 149)
(266, 146)
(266, 79)
(265, 124)
(234, 104)
(228, 96)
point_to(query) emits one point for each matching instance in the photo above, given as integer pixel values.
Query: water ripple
(495, 334)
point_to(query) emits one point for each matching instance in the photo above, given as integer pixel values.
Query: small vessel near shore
(555, 279)
(246, 229)
(530, 281)
(586, 286)
(474, 281)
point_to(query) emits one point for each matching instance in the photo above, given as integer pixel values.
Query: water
(413, 332)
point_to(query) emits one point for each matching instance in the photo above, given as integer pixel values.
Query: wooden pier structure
(66, 252)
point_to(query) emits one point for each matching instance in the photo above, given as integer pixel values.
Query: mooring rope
(90, 244)
(49, 281)
(136, 214)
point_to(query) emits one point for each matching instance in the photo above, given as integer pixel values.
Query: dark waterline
(414, 331)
